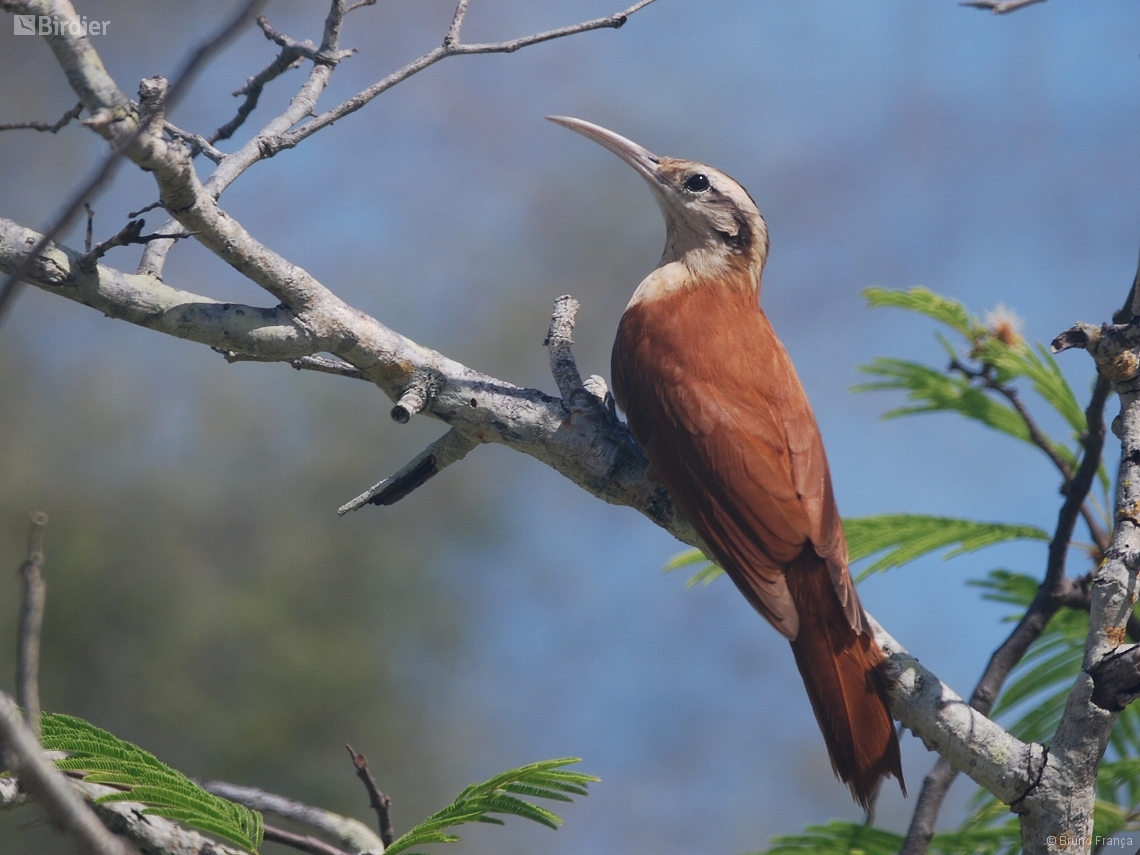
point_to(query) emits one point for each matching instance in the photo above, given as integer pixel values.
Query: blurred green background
(205, 601)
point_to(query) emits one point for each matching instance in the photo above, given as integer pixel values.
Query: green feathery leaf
(933, 390)
(849, 838)
(706, 573)
(544, 780)
(907, 536)
(926, 302)
(106, 759)
(937, 390)
(1004, 586)
(685, 559)
(910, 536)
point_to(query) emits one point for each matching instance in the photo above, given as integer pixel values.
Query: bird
(712, 397)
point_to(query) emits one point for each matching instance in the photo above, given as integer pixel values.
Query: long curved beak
(640, 158)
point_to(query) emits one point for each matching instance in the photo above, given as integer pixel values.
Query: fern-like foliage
(988, 357)
(927, 302)
(105, 759)
(849, 838)
(706, 572)
(932, 390)
(500, 795)
(904, 537)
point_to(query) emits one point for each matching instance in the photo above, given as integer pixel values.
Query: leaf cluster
(976, 384)
(500, 795)
(850, 838)
(100, 758)
(903, 537)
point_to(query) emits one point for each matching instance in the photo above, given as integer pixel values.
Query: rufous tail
(845, 683)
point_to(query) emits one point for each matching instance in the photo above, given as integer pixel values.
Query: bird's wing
(737, 446)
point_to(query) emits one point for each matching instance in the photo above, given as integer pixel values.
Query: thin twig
(1077, 488)
(31, 622)
(143, 210)
(302, 48)
(198, 58)
(287, 59)
(55, 128)
(352, 833)
(1096, 530)
(197, 143)
(89, 235)
(292, 138)
(376, 799)
(302, 363)
(1037, 437)
(129, 234)
(301, 841)
(277, 134)
(359, 4)
(300, 106)
(1035, 433)
(59, 798)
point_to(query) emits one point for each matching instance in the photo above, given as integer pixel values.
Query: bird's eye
(698, 183)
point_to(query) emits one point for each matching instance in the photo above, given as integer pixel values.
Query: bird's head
(712, 225)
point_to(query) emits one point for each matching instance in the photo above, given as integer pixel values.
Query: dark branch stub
(286, 60)
(450, 448)
(129, 234)
(1116, 679)
(376, 799)
(398, 488)
(423, 386)
(1078, 335)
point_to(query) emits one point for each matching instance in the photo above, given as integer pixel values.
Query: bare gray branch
(106, 103)
(558, 340)
(350, 832)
